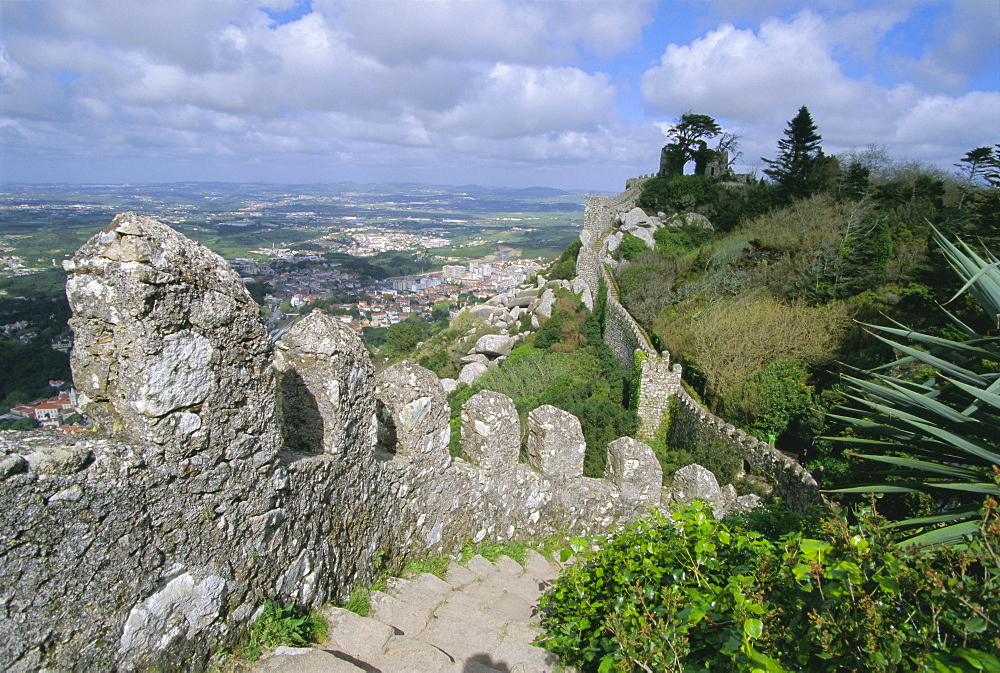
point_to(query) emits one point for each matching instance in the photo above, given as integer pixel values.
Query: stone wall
(694, 425)
(659, 381)
(226, 470)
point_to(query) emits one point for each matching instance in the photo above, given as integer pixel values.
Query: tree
(403, 337)
(689, 134)
(799, 165)
(982, 164)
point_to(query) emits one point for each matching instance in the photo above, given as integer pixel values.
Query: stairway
(482, 618)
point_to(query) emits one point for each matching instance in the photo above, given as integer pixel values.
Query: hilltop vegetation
(763, 310)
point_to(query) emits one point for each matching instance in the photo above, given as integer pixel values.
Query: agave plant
(940, 436)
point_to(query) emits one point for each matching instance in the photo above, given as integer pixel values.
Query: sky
(572, 94)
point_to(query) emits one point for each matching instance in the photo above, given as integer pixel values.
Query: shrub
(770, 400)
(281, 625)
(630, 247)
(695, 594)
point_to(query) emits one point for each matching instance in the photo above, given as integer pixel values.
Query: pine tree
(798, 168)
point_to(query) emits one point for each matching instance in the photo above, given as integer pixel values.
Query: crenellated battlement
(227, 469)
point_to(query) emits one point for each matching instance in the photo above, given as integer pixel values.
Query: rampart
(658, 381)
(227, 470)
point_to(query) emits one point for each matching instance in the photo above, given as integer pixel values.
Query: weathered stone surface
(491, 431)
(555, 443)
(449, 385)
(690, 219)
(695, 481)
(413, 415)
(58, 460)
(634, 469)
(474, 357)
(471, 372)
(327, 387)
(492, 345)
(485, 311)
(168, 345)
(545, 302)
(183, 608)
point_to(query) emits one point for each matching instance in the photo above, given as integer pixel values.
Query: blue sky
(571, 94)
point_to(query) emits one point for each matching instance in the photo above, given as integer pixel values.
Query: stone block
(493, 345)
(633, 468)
(555, 443)
(169, 347)
(491, 431)
(413, 415)
(327, 387)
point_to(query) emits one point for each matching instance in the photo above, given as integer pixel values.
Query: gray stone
(491, 431)
(327, 387)
(413, 415)
(474, 357)
(12, 464)
(690, 219)
(471, 372)
(58, 460)
(634, 469)
(184, 607)
(168, 345)
(544, 308)
(304, 660)
(555, 443)
(695, 481)
(356, 636)
(485, 311)
(492, 345)
(449, 385)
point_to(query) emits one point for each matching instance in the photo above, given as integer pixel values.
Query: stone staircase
(482, 618)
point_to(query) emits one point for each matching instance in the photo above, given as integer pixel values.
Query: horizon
(515, 94)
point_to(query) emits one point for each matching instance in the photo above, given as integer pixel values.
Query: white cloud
(756, 80)
(520, 100)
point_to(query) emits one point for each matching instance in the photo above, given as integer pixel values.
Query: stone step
(481, 619)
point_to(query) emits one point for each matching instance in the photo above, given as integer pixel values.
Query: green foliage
(564, 268)
(568, 366)
(403, 337)
(281, 625)
(695, 594)
(937, 434)
(770, 400)
(630, 247)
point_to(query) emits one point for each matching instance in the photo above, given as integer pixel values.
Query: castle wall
(659, 382)
(693, 425)
(226, 472)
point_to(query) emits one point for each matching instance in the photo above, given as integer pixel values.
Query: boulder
(471, 372)
(449, 385)
(690, 219)
(544, 308)
(492, 345)
(474, 357)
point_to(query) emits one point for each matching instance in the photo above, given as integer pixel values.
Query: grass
(280, 625)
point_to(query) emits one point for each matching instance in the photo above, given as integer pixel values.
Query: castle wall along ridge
(228, 469)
